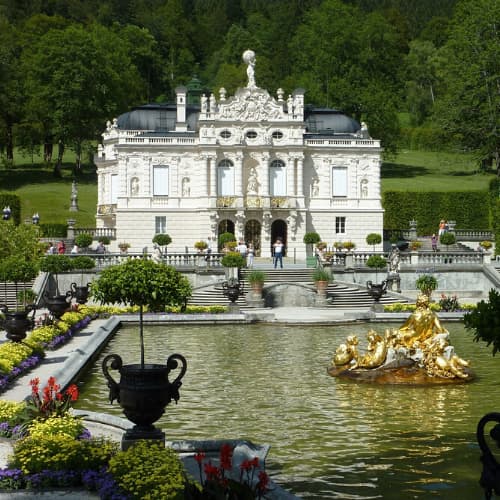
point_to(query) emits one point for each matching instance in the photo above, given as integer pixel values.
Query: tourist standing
(434, 243)
(278, 248)
(61, 247)
(442, 227)
(75, 249)
(250, 255)
(242, 249)
(100, 248)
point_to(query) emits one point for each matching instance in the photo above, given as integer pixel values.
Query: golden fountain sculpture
(418, 352)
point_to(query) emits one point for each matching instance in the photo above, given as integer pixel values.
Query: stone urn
(80, 293)
(143, 392)
(376, 290)
(58, 304)
(17, 323)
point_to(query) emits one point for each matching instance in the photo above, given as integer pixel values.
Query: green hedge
(13, 201)
(54, 230)
(424, 138)
(470, 210)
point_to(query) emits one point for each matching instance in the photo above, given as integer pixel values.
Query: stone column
(290, 176)
(238, 177)
(300, 176)
(212, 168)
(265, 174)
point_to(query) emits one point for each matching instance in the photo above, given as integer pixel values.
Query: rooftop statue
(418, 352)
(249, 59)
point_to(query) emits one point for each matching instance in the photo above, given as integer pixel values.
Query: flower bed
(17, 358)
(52, 449)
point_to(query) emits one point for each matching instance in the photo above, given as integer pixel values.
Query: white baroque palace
(257, 166)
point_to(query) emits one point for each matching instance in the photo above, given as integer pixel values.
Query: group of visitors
(248, 252)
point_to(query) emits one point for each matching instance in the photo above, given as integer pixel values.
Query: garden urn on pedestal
(144, 390)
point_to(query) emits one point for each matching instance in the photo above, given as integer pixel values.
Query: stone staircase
(343, 295)
(8, 293)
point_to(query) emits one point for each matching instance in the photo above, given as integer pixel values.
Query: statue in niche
(253, 182)
(289, 105)
(186, 190)
(249, 60)
(315, 188)
(134, 186)
(364, 188)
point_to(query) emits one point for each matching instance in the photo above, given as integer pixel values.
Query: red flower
(211, 472)
(263, 481)
(226, 456)
(72, 392)
(199, 457)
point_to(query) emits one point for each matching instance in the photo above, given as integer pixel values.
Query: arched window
(277, 178)
(225, 178)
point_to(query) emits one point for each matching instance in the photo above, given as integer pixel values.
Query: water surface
(329, 438)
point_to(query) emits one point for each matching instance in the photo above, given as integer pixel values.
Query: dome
(155, 117)
(325, 121)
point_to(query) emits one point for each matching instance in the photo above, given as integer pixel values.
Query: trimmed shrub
(149, 470)
(233, 259)
(84, 240)
(54, 230)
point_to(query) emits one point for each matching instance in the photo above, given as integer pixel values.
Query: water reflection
(330, 438)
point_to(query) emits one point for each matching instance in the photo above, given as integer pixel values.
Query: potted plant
(338, 245)
(415, 245)
(83, 240)
(123, 246)
(232, 261)
(349, 245)
(426, 284)
(201, 246)
(321, 278)
(81, 292)
(310, 239)
(144, 390)
(105, 240)
(256, 278)
(447, 239)
(321, 245)
(18, 270)
(162, 240)
(486, 245)
(56, 303)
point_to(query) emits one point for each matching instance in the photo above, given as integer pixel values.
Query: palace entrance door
(252, 235)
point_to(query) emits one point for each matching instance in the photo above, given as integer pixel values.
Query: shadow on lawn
(19, 176)
(400, 170)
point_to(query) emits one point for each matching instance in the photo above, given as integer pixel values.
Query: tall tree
(469, 107)
(77, 78)
(10, 88)
(353, 62)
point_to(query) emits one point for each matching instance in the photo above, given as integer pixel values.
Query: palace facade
(259, 166)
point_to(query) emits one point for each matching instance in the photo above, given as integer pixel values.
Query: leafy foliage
(484, 321)
(162, 239)
(233, 259)
(149, 470)
(311, 238)
(374, 239)
(83, 240)
(426, 284)
(320, 274)
(141, 282)
(447, 239)
(376, 262)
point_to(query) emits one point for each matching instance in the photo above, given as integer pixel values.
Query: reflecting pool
(330, 438)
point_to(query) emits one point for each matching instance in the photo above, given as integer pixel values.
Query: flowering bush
(449, 303)
(51, 402)
(216, 481)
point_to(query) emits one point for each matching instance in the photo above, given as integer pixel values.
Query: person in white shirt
(278, 248)
(242, 248)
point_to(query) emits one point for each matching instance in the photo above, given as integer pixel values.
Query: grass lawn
(432, 171)
(41, 192)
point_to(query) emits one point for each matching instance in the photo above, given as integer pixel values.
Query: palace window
(339, 181)
(160, 180)
(277, 178)
(339, 225)
(225, 178)
(160, 224)
(251, 134)
(277, 134)
(225, 134)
